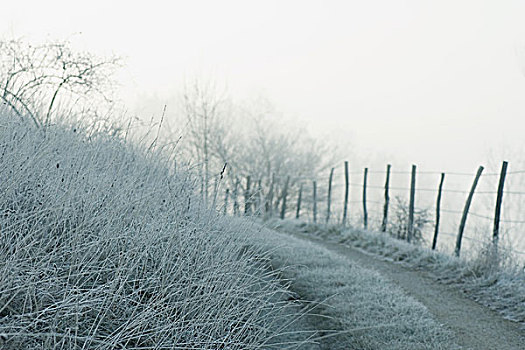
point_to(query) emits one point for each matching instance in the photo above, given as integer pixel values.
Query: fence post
(410, 226)
(260, 199)
(216, 183)
(499, 198)
(278, 197)
(247, 200)
(387, 199)
(314, 210)
(438, 212)
(299, 197)
(465, 211)
(329, 198)
(226, 195)
(285, 194)
(269, 198)
(365, 211)
(236, 198)
(347, 185)
(202, 185)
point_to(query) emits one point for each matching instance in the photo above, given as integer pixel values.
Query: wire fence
(480, 207)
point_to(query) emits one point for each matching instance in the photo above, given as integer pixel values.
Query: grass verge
(490, 277)
(351, 307)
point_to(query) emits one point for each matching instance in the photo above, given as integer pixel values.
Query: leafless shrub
(398, 225)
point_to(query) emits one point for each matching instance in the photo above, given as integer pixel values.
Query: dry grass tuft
(104, 246)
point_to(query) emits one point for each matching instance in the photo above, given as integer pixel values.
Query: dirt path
(475, 326)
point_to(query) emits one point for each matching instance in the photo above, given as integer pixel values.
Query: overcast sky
(437, 83)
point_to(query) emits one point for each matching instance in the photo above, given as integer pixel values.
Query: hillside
(103, 245)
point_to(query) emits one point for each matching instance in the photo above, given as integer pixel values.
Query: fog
(435, 83)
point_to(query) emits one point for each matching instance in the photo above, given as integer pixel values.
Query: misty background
(437, 84)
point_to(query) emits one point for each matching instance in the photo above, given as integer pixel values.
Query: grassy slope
(102, 246)
(350, 306)
(489, 278)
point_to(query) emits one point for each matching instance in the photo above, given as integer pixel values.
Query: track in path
(474, 326)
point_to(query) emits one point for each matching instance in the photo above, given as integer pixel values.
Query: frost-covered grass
(104, 246)
(490, 277)
(350, 306)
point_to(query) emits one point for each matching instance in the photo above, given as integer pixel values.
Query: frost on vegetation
(398, 224)
(490, 276)
(352, 307)
(104, 246)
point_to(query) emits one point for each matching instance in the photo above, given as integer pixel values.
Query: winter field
(311, 175)
(106, 246)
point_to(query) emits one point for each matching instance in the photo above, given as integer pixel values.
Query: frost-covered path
(474, 326)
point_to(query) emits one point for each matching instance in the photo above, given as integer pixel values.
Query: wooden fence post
(410, 226)
(329, 197)
(259, 206)
(365, 211)
(278, 197)
(299, 197)
(499, 198)
(202, 185)
(215, 188)
(347, 188)
(247, 199)
(438, 212)
(236, 198)
(314, 210)
(269, 198)
(387, 199)
(465, 211)
(285, 194)
(226, 195)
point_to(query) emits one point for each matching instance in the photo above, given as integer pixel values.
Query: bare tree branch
(34, 79)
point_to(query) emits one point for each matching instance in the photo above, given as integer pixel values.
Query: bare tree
(261, 145)
(36, 79)
(253, 140)
(203, 108)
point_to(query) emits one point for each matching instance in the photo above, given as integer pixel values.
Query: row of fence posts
(384, 222)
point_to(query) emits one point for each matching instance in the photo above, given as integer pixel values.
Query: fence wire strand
(376, 206)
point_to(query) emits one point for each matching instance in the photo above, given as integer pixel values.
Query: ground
(363, 301)
(473, 326)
